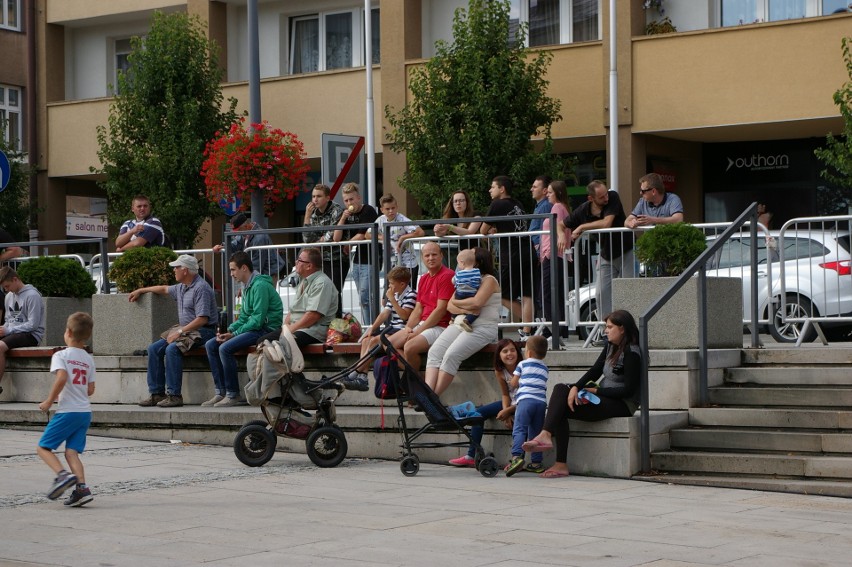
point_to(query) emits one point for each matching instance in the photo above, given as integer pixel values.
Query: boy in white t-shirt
(401, 255)
(75, 383)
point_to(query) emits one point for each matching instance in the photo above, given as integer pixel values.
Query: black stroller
(411, 388)
(284, 396)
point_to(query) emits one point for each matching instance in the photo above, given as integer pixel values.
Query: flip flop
(534, 446)
(553, 474)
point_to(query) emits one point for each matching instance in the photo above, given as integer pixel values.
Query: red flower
(266, 158)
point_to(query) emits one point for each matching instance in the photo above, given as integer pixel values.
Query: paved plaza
(177, 504)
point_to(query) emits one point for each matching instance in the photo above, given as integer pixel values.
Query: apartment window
(121, 62)
(10, 116)
(331, 40)
(11, 17)
(740, 12)
(553, 22)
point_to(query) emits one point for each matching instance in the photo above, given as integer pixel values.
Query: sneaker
(171, 401)
(63, 482)
(212, 401)
(79, 497)
(458, 320)
(515, 466)
(359, 382)
(536, 468)
(466, 326)
(465, 461)
(523, 335)
(227, 402)
(154, 400)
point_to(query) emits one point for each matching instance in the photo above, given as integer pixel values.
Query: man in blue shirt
(542, 207)
(142, 230)
(655, 206)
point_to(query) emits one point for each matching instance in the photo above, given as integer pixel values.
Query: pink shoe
(464, 461)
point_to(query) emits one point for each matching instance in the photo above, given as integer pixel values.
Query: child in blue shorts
(75, 382)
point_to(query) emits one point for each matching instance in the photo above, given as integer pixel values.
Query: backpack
(386, 373)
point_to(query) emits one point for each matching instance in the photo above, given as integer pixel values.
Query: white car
(817, 281)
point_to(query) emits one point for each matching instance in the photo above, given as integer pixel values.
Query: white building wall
(438, 22)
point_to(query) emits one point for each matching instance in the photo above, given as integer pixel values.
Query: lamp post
(257, 210)
(613, 102)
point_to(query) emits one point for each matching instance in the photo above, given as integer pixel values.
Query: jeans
(620, 267)
(165, 365)
(362, 274)
(529, 419)
(223, 364)
(488, 411)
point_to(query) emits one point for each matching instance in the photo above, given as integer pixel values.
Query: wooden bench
(37, 351)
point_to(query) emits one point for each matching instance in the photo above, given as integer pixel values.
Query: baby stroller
(411, 388)
(284, 395)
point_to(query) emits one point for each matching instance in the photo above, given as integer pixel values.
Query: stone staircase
(781, 421)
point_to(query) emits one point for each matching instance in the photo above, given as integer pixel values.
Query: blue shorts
(70, 428)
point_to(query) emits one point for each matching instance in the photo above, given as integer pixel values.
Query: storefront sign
(90, 227)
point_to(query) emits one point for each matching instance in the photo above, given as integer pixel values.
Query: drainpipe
(32, 131)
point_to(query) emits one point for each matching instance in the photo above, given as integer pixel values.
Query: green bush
(143, 267)
(668, 249)
(57, 277)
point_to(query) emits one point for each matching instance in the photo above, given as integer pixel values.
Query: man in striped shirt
(399, 304)
(143, 230)
(530, 377)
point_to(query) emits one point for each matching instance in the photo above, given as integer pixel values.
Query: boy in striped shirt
(399, 304)
(530, 378)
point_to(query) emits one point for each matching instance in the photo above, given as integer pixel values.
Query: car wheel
(589, 312)
(789, 332)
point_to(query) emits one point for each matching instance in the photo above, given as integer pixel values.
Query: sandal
(536, 468)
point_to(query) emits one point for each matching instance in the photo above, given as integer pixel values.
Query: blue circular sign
(230, 207)
(5, 171)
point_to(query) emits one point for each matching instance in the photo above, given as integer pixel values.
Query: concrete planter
(122, 327)
(56, 312)
(675, 326)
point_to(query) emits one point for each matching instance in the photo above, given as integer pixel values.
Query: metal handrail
(699, 266)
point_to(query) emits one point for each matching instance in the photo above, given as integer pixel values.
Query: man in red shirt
(430, 317)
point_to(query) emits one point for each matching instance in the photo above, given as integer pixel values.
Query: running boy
(399, 304)
(75, 382)
(467, 280)
(530, 378)
(400, 255)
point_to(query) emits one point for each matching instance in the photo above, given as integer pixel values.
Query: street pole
(371, 135)
(257, 212)
(613, 102)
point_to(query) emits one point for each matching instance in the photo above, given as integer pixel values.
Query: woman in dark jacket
(614, 379)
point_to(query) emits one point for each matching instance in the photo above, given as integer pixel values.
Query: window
(331, 40)
(11, 16)
(10, 116)
(122, 64)
(740, 12)
(553, 22)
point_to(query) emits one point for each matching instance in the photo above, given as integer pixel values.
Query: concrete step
(789, 376)
(813, 354)
(789, 466)
(771, 484)
(771, 418)
(761, 440)
(824, 397)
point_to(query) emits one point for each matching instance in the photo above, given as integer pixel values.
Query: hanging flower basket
(265, 158)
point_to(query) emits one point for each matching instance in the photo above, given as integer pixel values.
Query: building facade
(729, 108)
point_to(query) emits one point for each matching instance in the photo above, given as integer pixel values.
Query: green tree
(837, 153)
(169, 104)
(474, 108)
(14, 200)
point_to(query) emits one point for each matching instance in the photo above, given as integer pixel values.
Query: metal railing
(699, 267)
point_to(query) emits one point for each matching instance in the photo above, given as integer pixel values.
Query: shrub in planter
(143, 267)
(58, 277)
(668, 249)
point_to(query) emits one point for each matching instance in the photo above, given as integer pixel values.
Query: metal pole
(702, 335)
(257, 212)
(644, 399)
(371, 135)
(613, 102)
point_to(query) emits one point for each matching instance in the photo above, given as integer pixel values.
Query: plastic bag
(344, 330)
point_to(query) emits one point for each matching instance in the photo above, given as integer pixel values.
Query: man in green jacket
(262, 312)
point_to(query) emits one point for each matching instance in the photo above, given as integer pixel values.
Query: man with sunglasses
(655, 206)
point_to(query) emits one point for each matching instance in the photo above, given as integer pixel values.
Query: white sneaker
(213, 401)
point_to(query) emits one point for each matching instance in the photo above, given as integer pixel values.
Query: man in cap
(197, 320)
(267, 261)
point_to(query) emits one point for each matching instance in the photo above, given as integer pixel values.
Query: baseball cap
(238, 220)
(185, 261)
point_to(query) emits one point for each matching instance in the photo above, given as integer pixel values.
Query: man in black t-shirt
(356, 212)
(603, 209)
(517, 260)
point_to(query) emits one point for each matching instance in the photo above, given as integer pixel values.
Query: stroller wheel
(254, 444)
(327, 446)
(487, 467)
(410, 465)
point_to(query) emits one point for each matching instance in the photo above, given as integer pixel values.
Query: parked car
(817, 281)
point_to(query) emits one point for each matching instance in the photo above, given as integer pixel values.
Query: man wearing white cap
(197, 319)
